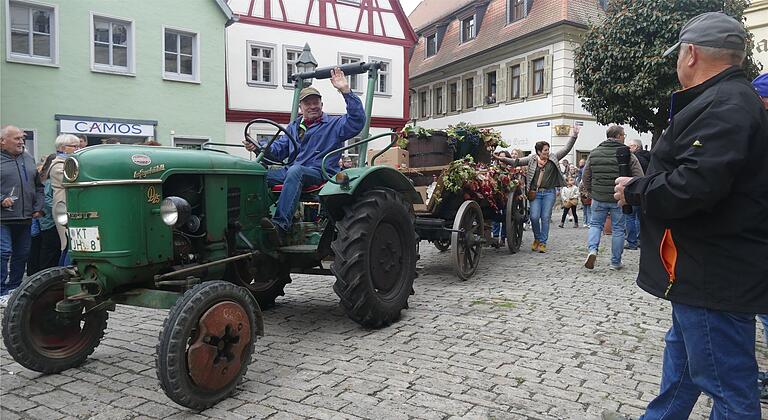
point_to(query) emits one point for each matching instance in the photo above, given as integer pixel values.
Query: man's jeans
(587, 214)
(633, 227)
(293, 179)
(15, 243)
(711, 352)
(600, 210)
(541, 213)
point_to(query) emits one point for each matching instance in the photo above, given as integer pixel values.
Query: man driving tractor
(317, 134)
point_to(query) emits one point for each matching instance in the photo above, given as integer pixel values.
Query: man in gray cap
(317, 134)
(711, 164)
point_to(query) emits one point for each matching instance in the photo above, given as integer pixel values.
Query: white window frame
(34, 141)
(388, 73)
(356, 85)
(130, 54)
(275, 73)
(474, 27)
(426, 45)
(179, 77)
(53, 60)
(286, 48)
(201, 139)
(511, 10)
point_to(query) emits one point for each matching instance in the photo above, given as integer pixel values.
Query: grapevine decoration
(419, 132)
(478, 182)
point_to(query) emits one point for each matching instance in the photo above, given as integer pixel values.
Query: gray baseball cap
(712, 29)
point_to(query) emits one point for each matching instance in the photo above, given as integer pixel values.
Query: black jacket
(705, 200)
(18, 174)
(644, 157)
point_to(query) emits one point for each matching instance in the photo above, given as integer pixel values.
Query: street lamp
(306, 63)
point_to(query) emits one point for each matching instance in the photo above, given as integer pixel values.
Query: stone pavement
(531, 336)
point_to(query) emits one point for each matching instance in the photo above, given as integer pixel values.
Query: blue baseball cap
(761, 85)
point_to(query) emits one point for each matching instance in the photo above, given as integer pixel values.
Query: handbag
(532, 192)
(586, 200)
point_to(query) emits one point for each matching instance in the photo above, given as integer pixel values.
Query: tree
(618, 68)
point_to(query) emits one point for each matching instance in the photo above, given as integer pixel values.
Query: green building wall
(31, 95)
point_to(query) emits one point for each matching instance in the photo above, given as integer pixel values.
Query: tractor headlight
(175, 211)
(60, 213)
(71, 169)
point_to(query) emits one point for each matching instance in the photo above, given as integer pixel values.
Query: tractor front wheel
(41, 339)
(206, 344)
(375, 262)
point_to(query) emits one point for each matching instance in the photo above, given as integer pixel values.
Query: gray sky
(409, 5)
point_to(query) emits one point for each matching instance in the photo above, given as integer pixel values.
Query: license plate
(84, 239)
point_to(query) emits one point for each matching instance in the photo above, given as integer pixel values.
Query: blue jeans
(587, 214)
(633, 227)
(15, 243)
(600, 210)
(293, 179)
(541, 213)
(712, 352)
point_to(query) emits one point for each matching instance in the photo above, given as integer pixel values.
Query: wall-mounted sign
(579, 123)
(106, 128)
(542, 124)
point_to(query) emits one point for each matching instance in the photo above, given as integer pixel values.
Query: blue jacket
(322, 137)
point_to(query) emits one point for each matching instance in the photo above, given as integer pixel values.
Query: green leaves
(618, 68)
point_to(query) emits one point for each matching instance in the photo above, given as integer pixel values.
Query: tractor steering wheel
(261, 151)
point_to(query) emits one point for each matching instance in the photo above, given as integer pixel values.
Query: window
(514, 82)
(490, 88)
(290, 57)
(32, 33)
(261, 64)
(353, 79)
(29, 141)
(383, 83)
(180, 50)
(112, 45)
(438, 92)
(423, 104)
(515, 10)
(538, 76)
(468, 29)
(453, 97)
(431, 45)
(469, 92)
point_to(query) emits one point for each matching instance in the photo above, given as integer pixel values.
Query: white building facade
(264, 44)
(757, 23)
(507, 65)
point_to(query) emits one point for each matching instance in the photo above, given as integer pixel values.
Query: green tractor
(167, 228)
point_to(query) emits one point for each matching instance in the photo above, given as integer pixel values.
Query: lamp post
(305, 64)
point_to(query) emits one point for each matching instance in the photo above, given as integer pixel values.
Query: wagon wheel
(514, 221)
(206, 343)
(467, 239)
(41, 339)
(442, 245)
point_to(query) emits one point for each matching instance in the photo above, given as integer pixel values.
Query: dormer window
(515, 10)
(468, 29)
(431, 45)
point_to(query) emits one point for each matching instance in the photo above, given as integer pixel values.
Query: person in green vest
(600, 172)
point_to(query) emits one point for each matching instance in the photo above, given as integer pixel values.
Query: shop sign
(107, 128)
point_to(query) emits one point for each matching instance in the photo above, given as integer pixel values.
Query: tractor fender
(335, 197)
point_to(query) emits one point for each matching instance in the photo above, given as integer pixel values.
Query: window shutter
(459, 95)
(548, 73)
(524, 79)
(501, 84)
(479, 93)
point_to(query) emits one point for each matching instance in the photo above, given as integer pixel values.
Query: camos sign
(107, 128)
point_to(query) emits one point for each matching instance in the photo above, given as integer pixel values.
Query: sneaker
(535, 245)
(616, 267)
(612, 415)
(542, 248)
(630, 247)
(590, 262)
(560, 225)
(576, 225)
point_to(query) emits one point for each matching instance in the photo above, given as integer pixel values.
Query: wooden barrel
(429, 151)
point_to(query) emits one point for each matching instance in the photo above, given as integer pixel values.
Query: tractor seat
(306, 190)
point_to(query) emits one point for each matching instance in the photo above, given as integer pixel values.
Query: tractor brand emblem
(142, 160)
(697, 143)
(143, 173)
(152, 196)
(83, 215)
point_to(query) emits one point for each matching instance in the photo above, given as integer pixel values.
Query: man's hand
(339, 81)
(618, 190)
(249, 146)
(37, 214)
(7, 202)
(574, 132)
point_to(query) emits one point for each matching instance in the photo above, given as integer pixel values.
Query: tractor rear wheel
(375, 262)
(206, 343)
(41, 339)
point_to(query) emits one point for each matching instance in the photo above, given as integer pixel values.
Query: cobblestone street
(530, 336)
